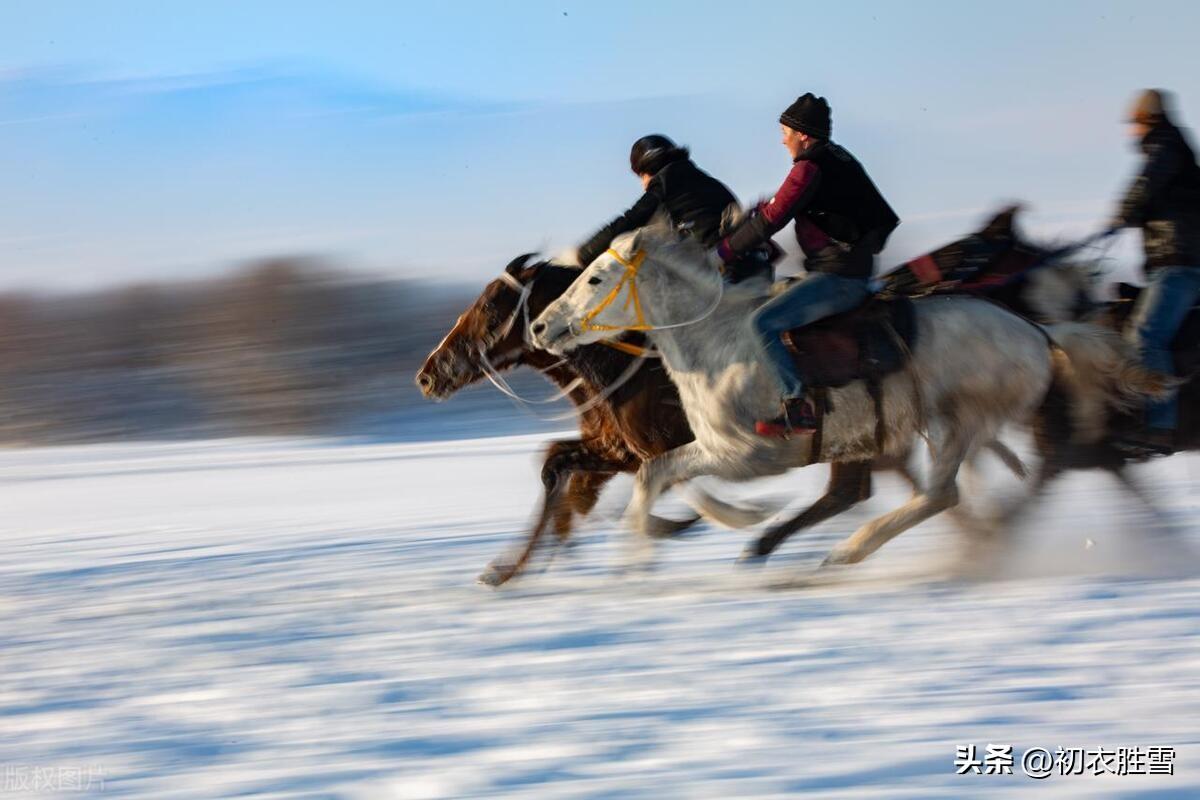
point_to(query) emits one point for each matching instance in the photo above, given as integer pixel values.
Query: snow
(299, 618)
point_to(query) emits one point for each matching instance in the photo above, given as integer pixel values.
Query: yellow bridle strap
(628, 279)
(627, 347)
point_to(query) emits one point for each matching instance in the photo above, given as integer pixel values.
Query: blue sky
(149, 140)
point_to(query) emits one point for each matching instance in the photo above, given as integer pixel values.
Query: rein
(629, 279)
(521, 310)
(500, 383)
(1051, 257)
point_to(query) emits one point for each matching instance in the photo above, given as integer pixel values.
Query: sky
(151, 141)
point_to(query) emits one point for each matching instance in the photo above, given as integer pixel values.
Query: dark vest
(847, 206)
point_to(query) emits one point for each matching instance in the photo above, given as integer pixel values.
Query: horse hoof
(661, 528)
(750, 557)
(836, 558)
(496, 575)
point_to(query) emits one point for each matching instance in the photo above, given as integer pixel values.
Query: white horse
(974, 367)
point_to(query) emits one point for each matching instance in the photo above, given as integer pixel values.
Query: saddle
(867, 343)
(1185, 347)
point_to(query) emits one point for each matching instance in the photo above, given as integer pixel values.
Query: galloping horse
(997, 265)
(1026, 279)
(628, 411)
(958, 388)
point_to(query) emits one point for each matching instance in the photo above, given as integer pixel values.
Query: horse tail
(1100, 371)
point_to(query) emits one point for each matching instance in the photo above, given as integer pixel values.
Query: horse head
(649, 279)
(492, 328)
(996, 248)
(997, 262)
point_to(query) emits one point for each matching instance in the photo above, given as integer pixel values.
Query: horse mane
(662, 238)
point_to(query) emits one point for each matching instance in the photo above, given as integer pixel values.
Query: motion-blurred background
(229, 218)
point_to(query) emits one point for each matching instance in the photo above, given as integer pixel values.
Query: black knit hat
(651, 153)
(809, 114)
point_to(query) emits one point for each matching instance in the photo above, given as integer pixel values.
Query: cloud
(49, 95)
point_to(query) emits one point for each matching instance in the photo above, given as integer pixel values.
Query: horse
(628, 408)
(1056, 292)
(957, 387)
(1063, 444)
(1040, 288)
(997, 263)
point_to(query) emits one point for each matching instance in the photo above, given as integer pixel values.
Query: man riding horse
(1164, 201)
(842, 222)
(693, 200)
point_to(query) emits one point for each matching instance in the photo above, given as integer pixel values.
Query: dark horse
(996, 264)
(1061, 446)
(624, 418)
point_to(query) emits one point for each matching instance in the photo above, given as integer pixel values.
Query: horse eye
(594, 280)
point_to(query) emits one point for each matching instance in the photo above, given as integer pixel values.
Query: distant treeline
(281, 347)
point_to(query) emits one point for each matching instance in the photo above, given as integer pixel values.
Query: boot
(799, 417)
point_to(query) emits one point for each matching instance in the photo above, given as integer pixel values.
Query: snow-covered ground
(292, 618)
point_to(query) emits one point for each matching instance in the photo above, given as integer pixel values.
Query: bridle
(628, 279)
(628, 282)
(521, 311)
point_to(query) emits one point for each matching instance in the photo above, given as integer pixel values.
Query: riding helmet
(651, 153)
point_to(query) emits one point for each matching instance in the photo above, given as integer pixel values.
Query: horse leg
(1049, 469)
(583, 491)
(849, 483)
(562, 458)
(981, 529)
(653, 478)
(1138, 490)
(1134, 487)
(1010, 459)
(941, 494)
(904, 469)
(1168, 550)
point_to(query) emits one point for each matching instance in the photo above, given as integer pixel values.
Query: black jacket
(841, 219)
(1164, 200)
(691, 197)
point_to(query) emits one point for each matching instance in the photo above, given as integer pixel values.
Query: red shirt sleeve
(791, 198)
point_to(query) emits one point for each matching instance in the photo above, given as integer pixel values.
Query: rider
(692, 198)
(1164, 201)
(841, 221)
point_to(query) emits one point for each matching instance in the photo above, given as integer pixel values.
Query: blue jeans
(1161, 309)
(816, 297)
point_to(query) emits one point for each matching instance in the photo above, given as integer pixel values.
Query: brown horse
(627, 412)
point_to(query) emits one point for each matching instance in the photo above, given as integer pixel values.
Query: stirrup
(799, 417)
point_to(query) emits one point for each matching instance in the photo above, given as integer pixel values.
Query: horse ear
(1001, 225)
(517, 264)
